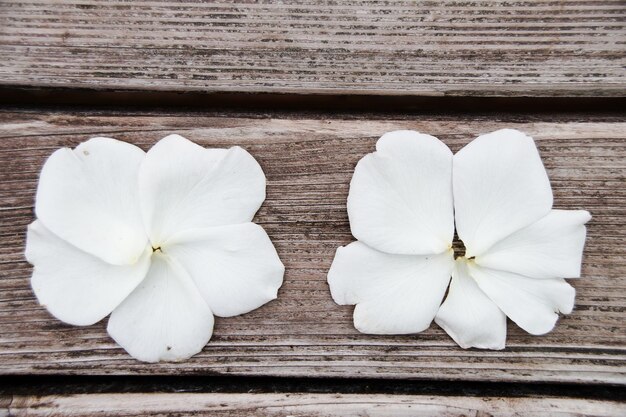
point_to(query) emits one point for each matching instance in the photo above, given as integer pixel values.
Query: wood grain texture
(326, 405)
(427, 48)
(308, 162)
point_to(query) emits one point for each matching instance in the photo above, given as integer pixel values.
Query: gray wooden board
(326, 405)
(308, 161)
(426, 48)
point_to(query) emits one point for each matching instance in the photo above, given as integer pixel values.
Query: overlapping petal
(184, 186)
(500, 187)
(236, 268)
(89, 197)
(400, 198)
(74, 286)
(533, 304)
(468, 315)
(394, 294)
(552, 247)
(164, 318)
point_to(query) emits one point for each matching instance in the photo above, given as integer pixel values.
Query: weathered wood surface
(308, 162)
(300, 405)
(430, 48)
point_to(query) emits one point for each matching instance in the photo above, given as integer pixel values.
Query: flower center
(158, 248)
(459, 248)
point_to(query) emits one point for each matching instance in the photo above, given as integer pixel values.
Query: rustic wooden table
(307, 87)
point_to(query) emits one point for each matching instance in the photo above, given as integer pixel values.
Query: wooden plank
(433, 48)
(308, 162)
(301, 405)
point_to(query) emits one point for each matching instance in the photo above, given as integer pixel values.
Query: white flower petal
(500, 186)
(552, 247)
(395, 294)
(74, 286)
(88, 197)
(400, 198)
(531, 303)
(165, 318)
(235, 268)
(185, 186)
(469, 316)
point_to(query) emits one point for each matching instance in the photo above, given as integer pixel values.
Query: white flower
(403, 204)
(161, 240)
